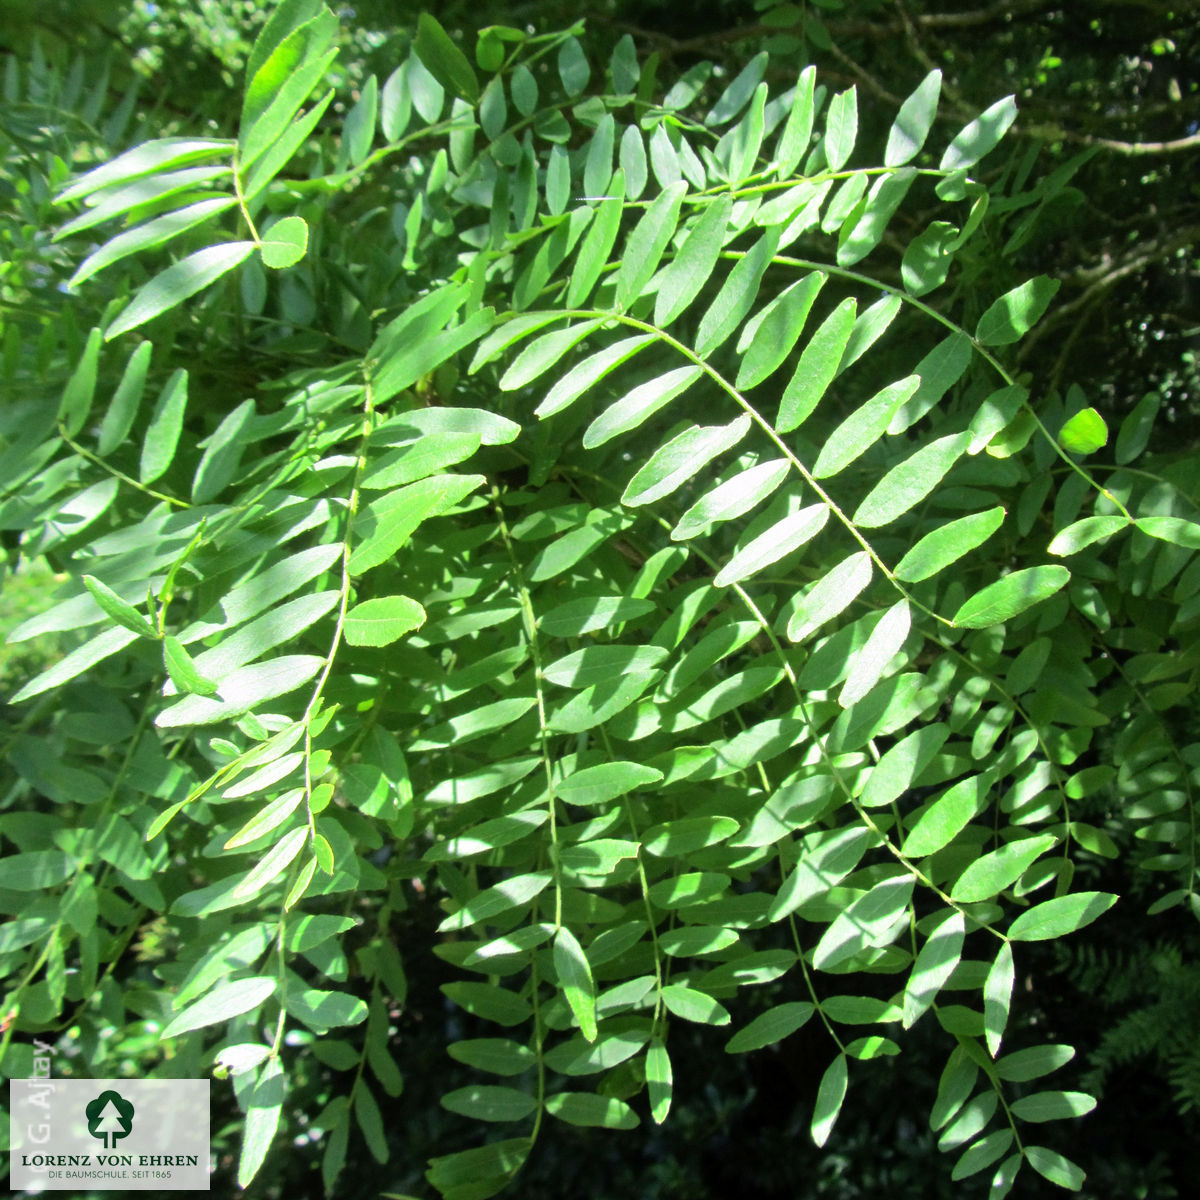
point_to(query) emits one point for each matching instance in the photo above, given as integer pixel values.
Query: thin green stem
(531, 636)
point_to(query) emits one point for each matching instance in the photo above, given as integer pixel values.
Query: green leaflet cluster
(601, 571)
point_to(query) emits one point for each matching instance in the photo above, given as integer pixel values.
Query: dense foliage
(565, 583)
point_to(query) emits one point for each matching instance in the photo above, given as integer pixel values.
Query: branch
(1105, 275)
(1055, 133)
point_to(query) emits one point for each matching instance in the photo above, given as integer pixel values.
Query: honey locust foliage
(562, 504)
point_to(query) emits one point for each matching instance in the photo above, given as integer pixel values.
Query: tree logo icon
(109, 1117)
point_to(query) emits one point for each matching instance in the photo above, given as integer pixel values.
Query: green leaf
(841, 129)
(638, 405)
(659, 1080)
(990, 875)
(731, 499)
(223, 1003)
(358, 134)
(830, 1095)
(830, 595)
(573, 68)
(598, 241)
(859, 236)
(501, 897)
(736, 96)
(542, 353)
(645, 245)
(295, 75)
(828, 857)
(672, 465)
(913, 122)
(149, 236)
(1007, 597)
(183, 671)
(370, 1121)
(1135, 430)
(269, 818)
(35, 870)
(172, 287)
(77, 396)
(777, 330)
(119, 418)
(150, 158)
(683, 836)
(1081, 534)
(95, 650)
(499, 1056)
(590, 1110)
(382, 621)
(997, 998)
(945, 819)
(1171, 529)
(387, 524)
(956, 1084)
(489, 1002)
(1053, 1105)
(598, 664)
(589, 372)
(980, 136)
(1084, 433)
(937, 550)
(870, 921)
(737, 294)
(480, 1173)
(693, 266)
(406, 365)
(1060, 916)
(870, 326)
(597, 785)
(910, 481)
(870, 661)
(488, 1102)
(935, 963)
(272, 865)
(444, 60)
(797, 133)
(166, 424)
(1023, 1065)
(280, 151)
(222, 454)
(558, 181)
(591, 613)
(290, 18)
(862, 428)
(1053, 1166)
(692, 1005)
(263, 1108)
(982, 1154)
(1008, 319)
(770, 1027)
(927, 258)
(122, 613)
(774, 543)
(524, 89)
(575, 977)
(598, 167)
(284, 244)
(242, 690)
(395, 104)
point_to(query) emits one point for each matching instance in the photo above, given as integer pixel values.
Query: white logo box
(122, 1135)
